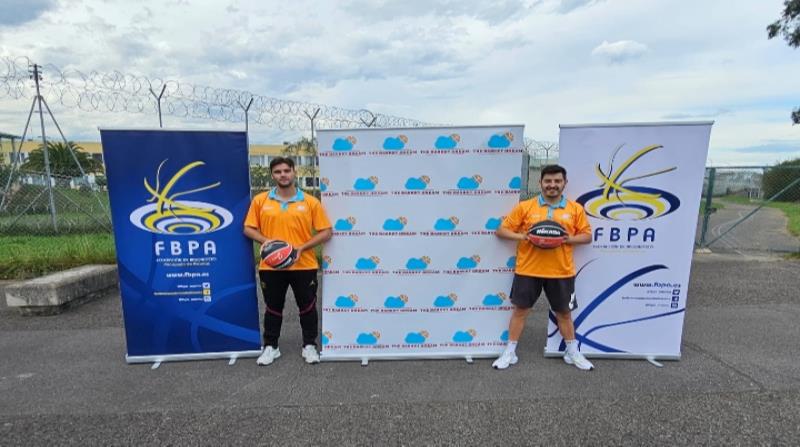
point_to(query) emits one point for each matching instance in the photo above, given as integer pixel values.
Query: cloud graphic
(415, 337)
(393, 144)
(493, 223)
(323, 187)
(444, 225)
(414, 183)
(343, 225)
(446, 142)
(342, 144)
(443, 301)
(325, 264)
(393, 225)
(416, 264)
(366, 264)
(492, 300)
(515, 183)
(512, 262)
(463, 337)
(498, 141)
(468, 183)
(366, 339)
(325, 339)
(466, 263)
(504, 336)
(345, 301)
(394, 302)
(364, 184)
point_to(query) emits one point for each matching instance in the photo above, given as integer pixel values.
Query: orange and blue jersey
(551, 262)
(290, 220)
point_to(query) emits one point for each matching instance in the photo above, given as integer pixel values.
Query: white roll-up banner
(641, 186)
(414, 269)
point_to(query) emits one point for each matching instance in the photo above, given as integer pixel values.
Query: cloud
(515, 183)
(567, 6)
(345, 301)
(493, 223)
(789, 147)
(416, 264)
(393, 225)
(343, 225)
(462, 337)
(415, 337)
(366, 339)
(415, 184)
(492, 300)
(700, 115)
(466, 263)
(446, 142)
(366, 264)
(363, 184)
(393, 143)
(512, 262)
(619, 52)
(443, 301)
(18, 12)
(444, 225)
(468, 183)
(394, 302)
(504, 336)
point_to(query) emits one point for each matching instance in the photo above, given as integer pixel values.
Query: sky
(540, 63)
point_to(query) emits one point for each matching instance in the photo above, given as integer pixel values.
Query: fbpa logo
(167, 215)
(617, 199)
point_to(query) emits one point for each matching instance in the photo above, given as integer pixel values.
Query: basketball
(546, 234)
(278, 254)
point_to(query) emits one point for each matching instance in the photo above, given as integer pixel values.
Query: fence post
(712, 172)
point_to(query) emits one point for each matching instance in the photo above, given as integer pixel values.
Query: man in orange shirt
(551, 269)
(286, 213)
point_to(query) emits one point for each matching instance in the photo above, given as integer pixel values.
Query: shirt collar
(298, 197)
(561, 204)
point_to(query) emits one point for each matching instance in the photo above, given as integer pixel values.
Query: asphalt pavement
(64, 381)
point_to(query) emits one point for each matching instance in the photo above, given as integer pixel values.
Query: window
(309, 182)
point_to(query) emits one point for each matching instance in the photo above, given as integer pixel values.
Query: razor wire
(124, 92)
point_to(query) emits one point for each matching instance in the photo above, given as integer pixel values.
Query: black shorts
(525, 290)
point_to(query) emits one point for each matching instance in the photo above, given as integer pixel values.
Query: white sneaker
(505, 360)
(310, 353)
(577, 359)
(268, 356)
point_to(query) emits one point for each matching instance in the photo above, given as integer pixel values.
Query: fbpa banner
(414, 268)
(641, 186)
(178, 201)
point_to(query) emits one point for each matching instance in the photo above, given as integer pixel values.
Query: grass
(23, 257)
(790, 209)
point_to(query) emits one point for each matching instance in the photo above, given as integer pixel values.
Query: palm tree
(61, 160)
(302, 147)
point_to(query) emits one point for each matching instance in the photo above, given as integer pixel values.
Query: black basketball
(547, 234)
(278, 254)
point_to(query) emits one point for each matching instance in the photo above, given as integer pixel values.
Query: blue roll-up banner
(178, 202)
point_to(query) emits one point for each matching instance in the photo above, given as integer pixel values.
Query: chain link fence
(68, 205)
(750, 208)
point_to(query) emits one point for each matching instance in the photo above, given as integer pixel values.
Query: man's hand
(299, 252)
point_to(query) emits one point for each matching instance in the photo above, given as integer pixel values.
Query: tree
(780, 177)
(788, 27)
(302, 147)
(61, 159)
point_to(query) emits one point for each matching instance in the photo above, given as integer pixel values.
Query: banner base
(617, 355)
(231, 356)
(365, 359)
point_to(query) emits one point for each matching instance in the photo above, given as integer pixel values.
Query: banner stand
(158, 359)
(365, 359)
